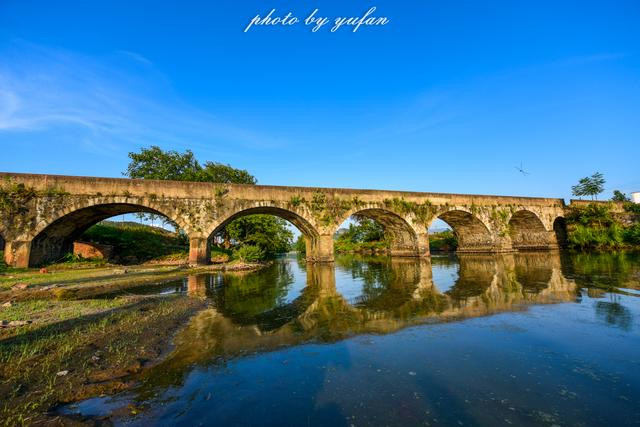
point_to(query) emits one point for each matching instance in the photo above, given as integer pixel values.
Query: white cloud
(110, 102)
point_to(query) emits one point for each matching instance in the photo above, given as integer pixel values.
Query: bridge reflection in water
(380, 341)
(293, 302)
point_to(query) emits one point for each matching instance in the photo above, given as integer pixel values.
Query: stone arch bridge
(41, 215)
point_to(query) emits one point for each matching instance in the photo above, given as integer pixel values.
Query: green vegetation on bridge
(598, 226)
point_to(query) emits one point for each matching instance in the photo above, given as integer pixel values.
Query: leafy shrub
(632, 234)
(300, 246)
(249, 253)
(267, 232)
(79, 260)
(594, 226)
(444, 241)
(593, 214)
(632, 207)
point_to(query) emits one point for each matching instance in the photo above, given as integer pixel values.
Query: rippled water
(518, 339)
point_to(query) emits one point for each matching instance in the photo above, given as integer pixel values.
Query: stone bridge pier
(41, 215)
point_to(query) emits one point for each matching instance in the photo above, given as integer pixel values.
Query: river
(515, 339)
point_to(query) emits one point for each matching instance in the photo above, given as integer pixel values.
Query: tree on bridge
(267, 232)
(589, 186)
(619, 196)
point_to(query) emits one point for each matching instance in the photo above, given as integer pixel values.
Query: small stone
(62, 373)
(20, 286)
(19, 323)
(7, 304)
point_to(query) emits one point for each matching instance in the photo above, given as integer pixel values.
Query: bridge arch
(472, 233)
(52, 238)
(527, 231)
(404, 239)
(306, 227)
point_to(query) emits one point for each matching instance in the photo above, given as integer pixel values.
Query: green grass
(136, 243)
(220, 254)
(96, 344)
(249, 253)
(33, 276)
(46, 311)
(347, 246)
(595, 227)
(94, 276)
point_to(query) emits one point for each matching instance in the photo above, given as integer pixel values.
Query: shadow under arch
(560, 230)
(4, 256)
(527, 231)
(404, 241)
(55, 239)
(306, 228)
(471, 233)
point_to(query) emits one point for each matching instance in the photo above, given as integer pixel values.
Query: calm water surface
(519, 339)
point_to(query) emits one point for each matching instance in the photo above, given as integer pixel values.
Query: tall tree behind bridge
(154, 163)
(270, 233)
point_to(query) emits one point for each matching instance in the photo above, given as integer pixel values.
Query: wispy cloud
(106, 103)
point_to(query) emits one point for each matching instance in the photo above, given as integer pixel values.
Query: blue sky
(448, 97)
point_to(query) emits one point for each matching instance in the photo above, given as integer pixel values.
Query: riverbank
(62, 340)
(83, 280)
(82, 349)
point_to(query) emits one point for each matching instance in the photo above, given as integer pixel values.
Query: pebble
(13, 323)
(62, 373)
(19, 322)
